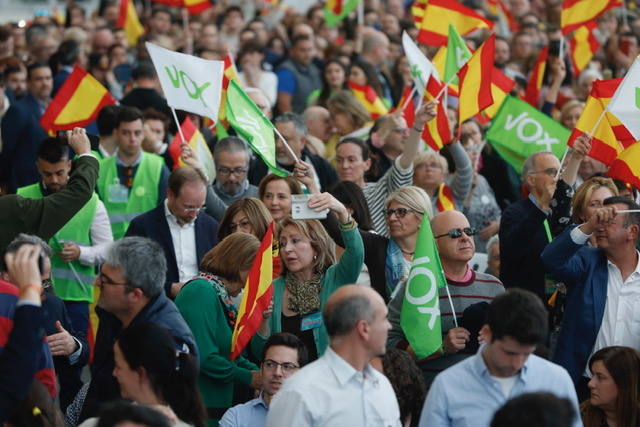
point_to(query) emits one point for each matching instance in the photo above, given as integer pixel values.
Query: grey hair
(340, 318)
(231, 144)
(25, 239)
(494, 240)
(530, 164)
(142, 262)
(298, 123)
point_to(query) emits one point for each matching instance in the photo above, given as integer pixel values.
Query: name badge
(118, 193)
(311, 321)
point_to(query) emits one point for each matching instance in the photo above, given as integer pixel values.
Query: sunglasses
(457, 232)
(400, 212)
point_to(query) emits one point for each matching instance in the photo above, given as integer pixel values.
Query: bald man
(342, 388)
(318, 123)
(470, 290)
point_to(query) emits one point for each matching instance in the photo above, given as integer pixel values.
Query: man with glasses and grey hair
(470, 292)
(131, 291)
(178, 224)
(526, 226)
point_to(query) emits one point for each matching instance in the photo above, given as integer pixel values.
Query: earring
(315, 257)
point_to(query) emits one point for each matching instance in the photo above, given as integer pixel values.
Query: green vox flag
(250, 123)
(336, 10)
(420, 313)
(519, 130)
(457, 55)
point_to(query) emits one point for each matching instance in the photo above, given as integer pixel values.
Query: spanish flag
(196, 6)
(475, 80)
(128, 20)
(229, 74)
(77, 102)
(499, 9)
(256, 297)
(172, 3)
(408, 112)
(433, 17)
(369, 99)
(501, 86)
(576, 13)
(197, 143)
(437, 132)
(445, 198)
(611, 136)
(534, 86)
(626, 167)
(582, 46)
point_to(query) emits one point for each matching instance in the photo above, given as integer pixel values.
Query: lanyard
(547, 230)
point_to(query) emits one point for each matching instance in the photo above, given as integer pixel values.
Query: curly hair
(407, 381)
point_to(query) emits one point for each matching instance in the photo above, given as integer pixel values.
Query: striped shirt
(375, 193)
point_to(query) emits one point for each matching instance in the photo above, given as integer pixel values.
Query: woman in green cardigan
(206, 307)
(310, 273)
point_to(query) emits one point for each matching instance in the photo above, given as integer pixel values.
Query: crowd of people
(123, 265)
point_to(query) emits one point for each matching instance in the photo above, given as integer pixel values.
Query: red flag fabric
(437, 132)
(534, 86)
(626, 166)
(475, 79)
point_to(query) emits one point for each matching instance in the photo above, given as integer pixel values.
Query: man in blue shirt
(282, 355)
(469, 393)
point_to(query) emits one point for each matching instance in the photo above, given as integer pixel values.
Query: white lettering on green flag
(519, 130)
(250, 123)
(420, 314)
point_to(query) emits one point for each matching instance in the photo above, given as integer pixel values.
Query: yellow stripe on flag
(83, 104)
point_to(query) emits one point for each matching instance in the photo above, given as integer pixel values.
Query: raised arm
(425, 114)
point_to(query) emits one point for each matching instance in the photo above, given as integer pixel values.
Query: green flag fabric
(457, 55)
(519, 130)
(250, 123)
(336, 10)
(420, 313)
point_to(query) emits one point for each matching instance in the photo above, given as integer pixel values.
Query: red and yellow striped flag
(256, 297)
(369, 99)
(579, 12)
(501, 86)
(502, 11)
(445, 200)
(475, 78)
(196, 6)
(198, 144)
(409, 112)
(77, 103)
(582, 46)
(437, 132)
(433, 17)
(611, 136)
(128, 20)
(626, 167)
(534, 86)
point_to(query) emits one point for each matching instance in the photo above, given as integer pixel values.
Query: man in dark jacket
(131, 291)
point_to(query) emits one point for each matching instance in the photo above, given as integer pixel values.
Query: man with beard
(283, 355)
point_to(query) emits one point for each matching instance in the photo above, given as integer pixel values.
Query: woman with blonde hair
(310, 273)
(205, 304)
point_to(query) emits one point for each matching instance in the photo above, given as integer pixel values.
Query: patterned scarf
(304, 296)
(225, 299)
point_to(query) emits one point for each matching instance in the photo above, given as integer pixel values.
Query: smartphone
(300, 208)
(94, 140)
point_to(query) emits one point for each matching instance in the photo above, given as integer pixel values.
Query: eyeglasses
(287, 367)
(457, 233)
(548, 171)
(103, 279)
(242, 224)
(400, 212)
(226, 171)
(192, 210)
(401, 131)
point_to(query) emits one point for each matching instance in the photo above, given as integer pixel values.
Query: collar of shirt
(481, 369)
(243, 187)
(636, 272)
(259, 401)
(535, 202)
(344, 372)
(173, 219)
(121, 163)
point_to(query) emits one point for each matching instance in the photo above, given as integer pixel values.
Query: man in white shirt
(604, 283)
(342, 388)
(178, 224)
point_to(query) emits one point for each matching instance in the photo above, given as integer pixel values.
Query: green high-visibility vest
(70, 283)
(142, 196)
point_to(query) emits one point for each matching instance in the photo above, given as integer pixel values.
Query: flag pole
(629, 211)
(175, 117)
(453, 310)
(446, 85)
(625, 19)
(409, 98)
(561, 49)
(564, 156)
(284, 141)
(360, 12)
